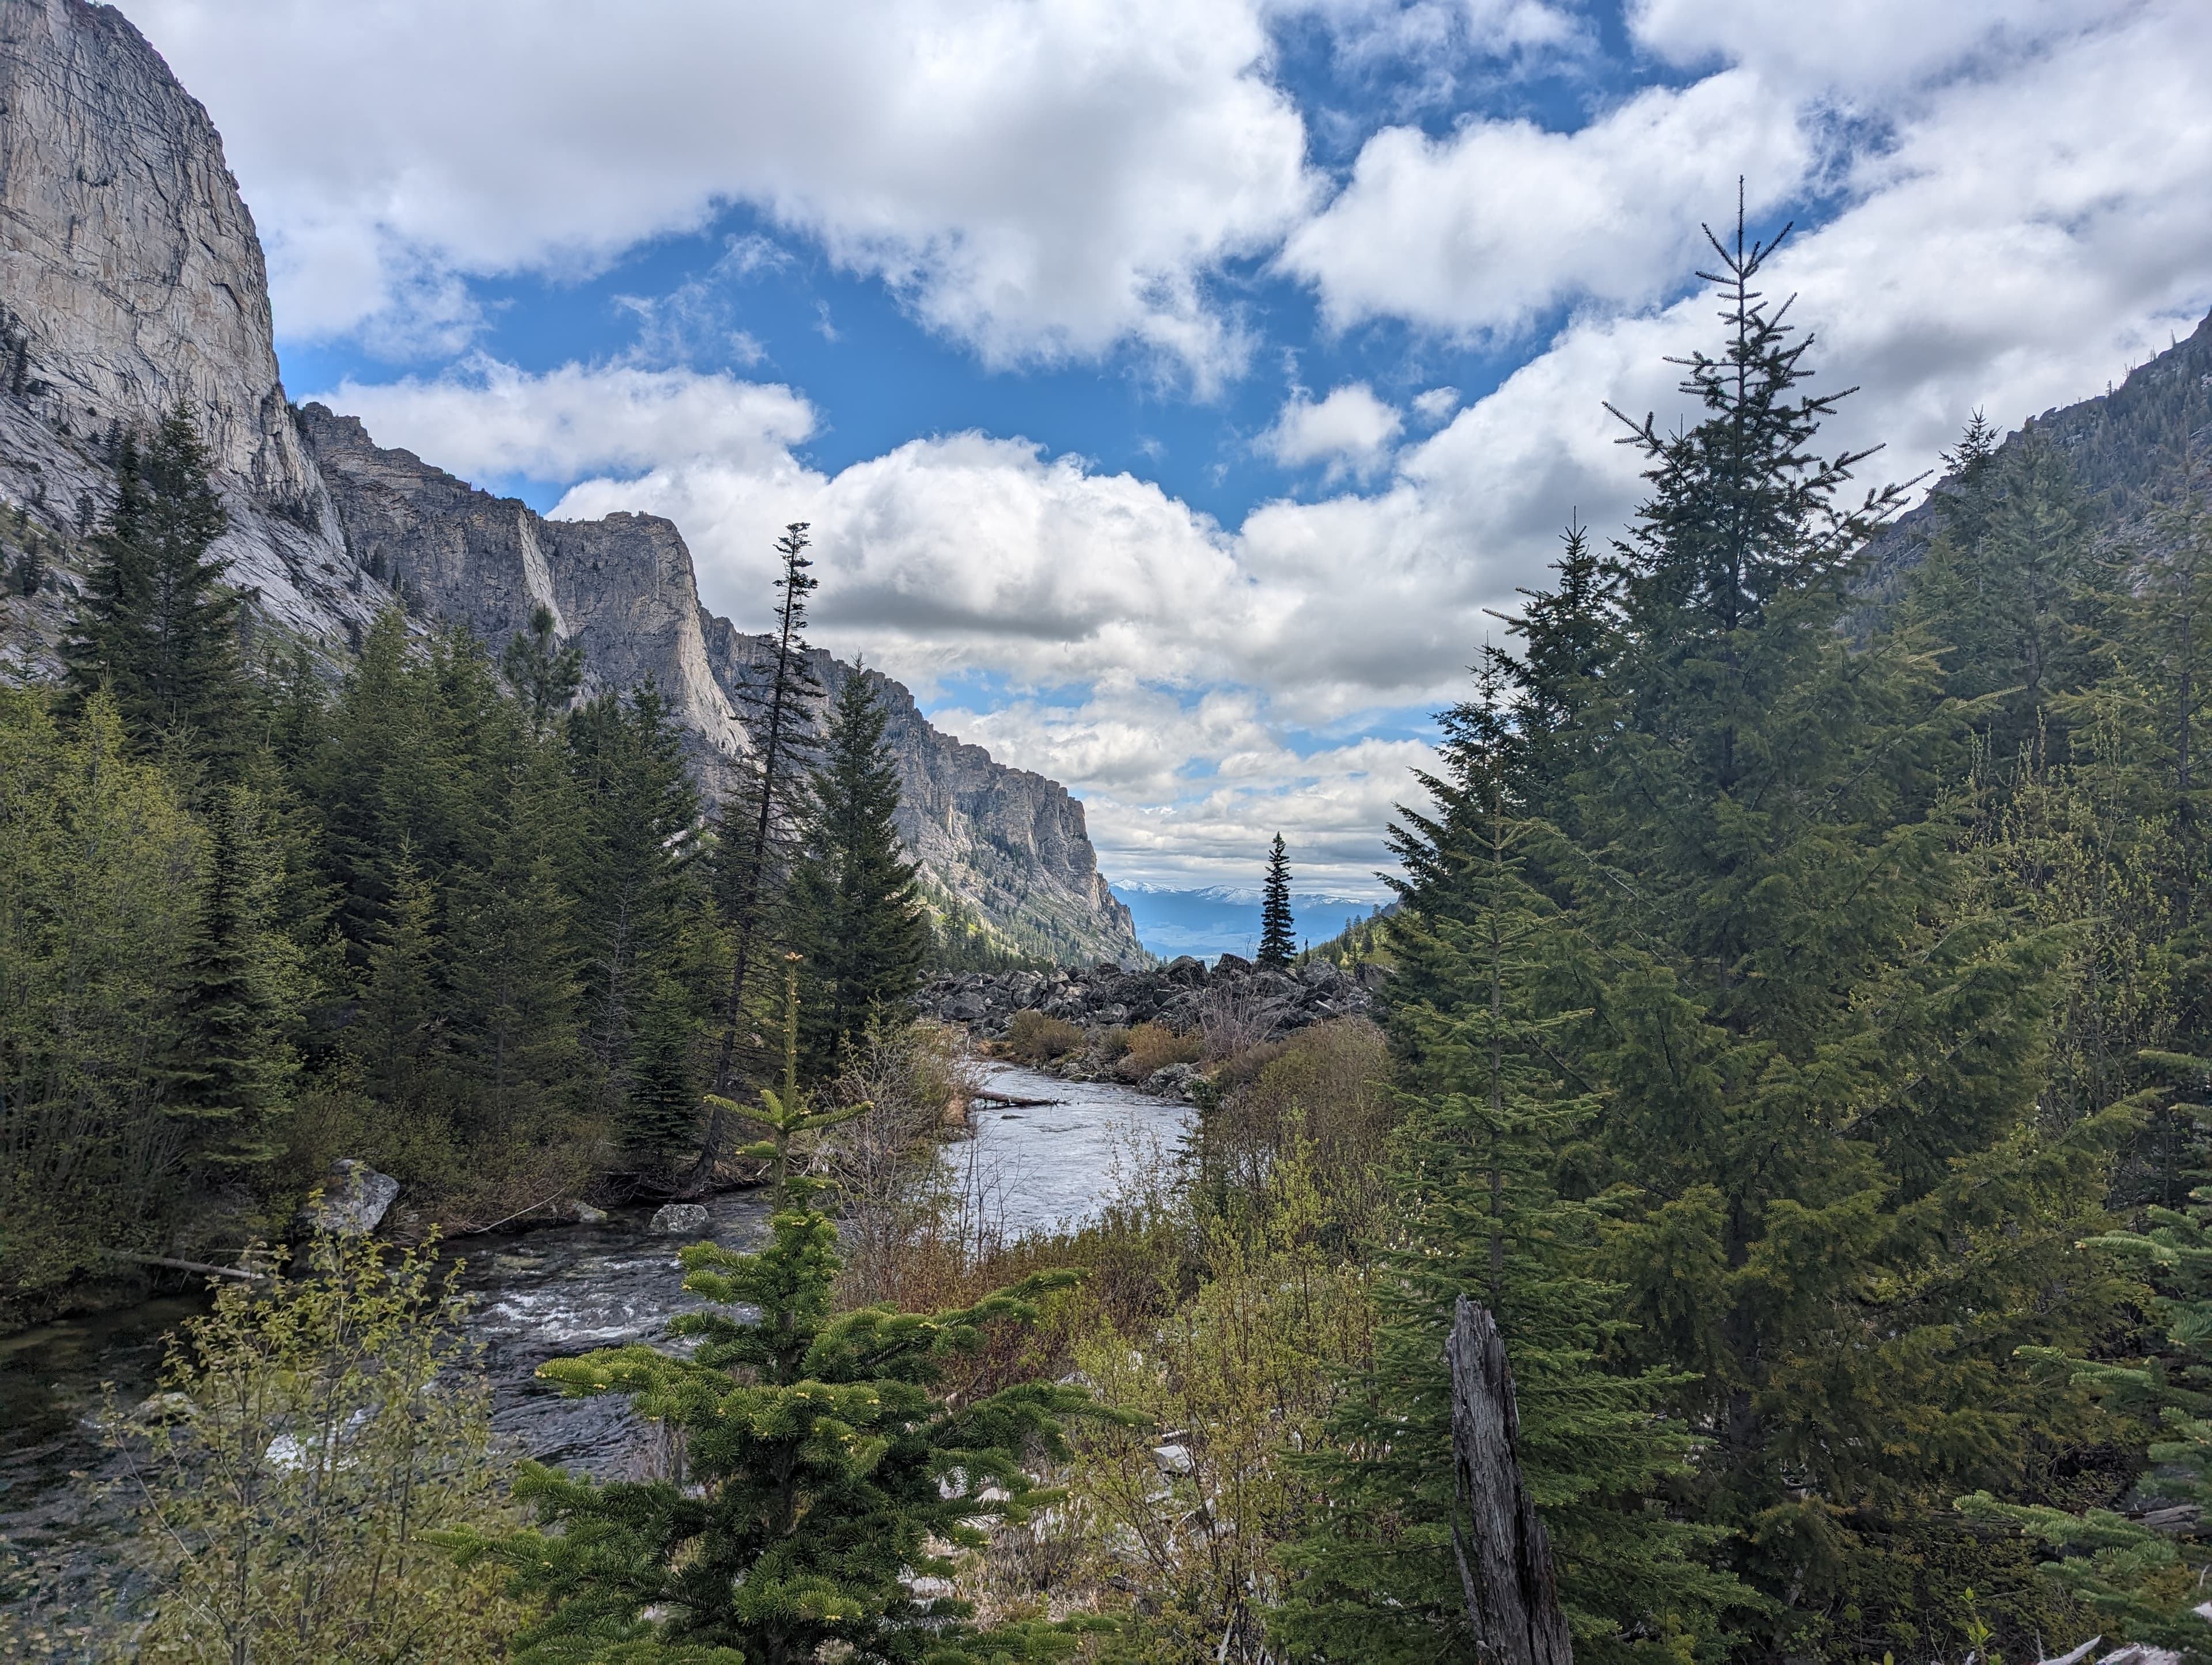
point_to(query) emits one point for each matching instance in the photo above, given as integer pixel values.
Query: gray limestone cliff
(132, 280)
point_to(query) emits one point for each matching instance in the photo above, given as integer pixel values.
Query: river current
(534, 1295)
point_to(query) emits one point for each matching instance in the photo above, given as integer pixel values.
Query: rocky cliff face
(1004, 845)
(1008, 846)
(131, 281)
(2125, 448)
(620, 587)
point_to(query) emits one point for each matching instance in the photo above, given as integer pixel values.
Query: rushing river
(535, 1295)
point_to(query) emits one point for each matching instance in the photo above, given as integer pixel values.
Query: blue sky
(1175, 389)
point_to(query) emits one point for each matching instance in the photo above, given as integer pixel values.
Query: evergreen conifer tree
(855, 916)
(821, 1466)
(157, 627)
(399, 996)
(1486, 1120)
(514, 996)
(1567, 642)
(2011, 588)
(635, 861)
(1820, 1033)
(1279, 944)
(662, 1106)
(236, 1060)
(544, 672)
(2139, 1579)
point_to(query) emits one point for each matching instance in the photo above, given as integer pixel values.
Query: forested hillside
(442, 917)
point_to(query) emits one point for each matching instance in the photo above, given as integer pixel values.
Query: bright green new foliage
(822, 1476)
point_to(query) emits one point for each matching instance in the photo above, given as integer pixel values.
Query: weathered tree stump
(1504, 1556)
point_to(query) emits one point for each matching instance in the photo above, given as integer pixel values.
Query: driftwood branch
(201, 1266)
(1504, 1557)
(990, 1097)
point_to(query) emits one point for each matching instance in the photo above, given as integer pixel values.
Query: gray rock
(1173, 1459)
(354, 1200)
(1172, 1080)
(680, 1219)
(582, 1213)
(1232, 965)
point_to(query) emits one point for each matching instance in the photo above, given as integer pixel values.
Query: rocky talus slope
(132, 280)
(1235, 1003)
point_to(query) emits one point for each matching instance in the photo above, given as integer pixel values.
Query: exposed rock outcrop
(131, 281)
(622, 587)
(1009, 845)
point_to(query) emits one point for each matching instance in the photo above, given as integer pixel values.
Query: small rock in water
(582, 1213)
(354, 1200)
(680, 1219)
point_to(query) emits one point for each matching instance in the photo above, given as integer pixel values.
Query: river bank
(536, 1294)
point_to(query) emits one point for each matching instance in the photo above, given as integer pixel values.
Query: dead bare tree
(762, 820)
(1504, 1556)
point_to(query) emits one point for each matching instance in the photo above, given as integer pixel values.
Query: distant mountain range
(1225, 919)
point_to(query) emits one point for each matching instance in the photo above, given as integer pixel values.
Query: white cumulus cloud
(1351, 430)
(1038, 181)
(1488, 228)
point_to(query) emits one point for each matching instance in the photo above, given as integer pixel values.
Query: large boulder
(353, 1202)
(680, 1219)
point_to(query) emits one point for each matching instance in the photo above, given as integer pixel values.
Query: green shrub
(335, 1426)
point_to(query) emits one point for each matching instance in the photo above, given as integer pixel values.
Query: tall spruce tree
(1568, 639)
(855, 916)
(2139, 1571)
(2012, 589)
(157, 627)
(1819, 1034)
(634, 864)
(1486, 1122)
(236, 1061)
(1279, 944)
(544, 672)
(821, 1468)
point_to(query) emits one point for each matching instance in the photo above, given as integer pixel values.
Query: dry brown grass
(1033, 1038)
(1150, 1047)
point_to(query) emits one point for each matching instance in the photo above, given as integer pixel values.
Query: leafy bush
(1033, 1038)
(332, 1427)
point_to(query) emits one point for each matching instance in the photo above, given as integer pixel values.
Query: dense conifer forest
(1797, 1009)
(441, 913)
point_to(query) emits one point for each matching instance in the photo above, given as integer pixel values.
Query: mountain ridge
(132, 280)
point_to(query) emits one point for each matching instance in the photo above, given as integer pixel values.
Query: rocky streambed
(535, 1295)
